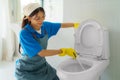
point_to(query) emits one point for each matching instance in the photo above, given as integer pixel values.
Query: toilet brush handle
(81, 65)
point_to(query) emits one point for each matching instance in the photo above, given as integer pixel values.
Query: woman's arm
(66, 25)
(44, 53)
(61, 52)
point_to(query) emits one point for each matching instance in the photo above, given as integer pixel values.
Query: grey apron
(35, 68)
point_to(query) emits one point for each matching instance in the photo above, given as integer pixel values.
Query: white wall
(4, 16)
(107, 13)
(0, 36)
(53, 10)
(4, 20)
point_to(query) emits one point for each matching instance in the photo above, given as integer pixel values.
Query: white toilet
(92, 45)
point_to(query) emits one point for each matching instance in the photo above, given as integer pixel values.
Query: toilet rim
(91, 64)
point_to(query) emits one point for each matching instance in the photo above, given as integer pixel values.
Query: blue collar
(29, 27)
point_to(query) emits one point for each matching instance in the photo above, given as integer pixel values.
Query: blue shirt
(29, 45)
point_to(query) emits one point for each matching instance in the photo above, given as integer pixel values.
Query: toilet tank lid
(89, 38)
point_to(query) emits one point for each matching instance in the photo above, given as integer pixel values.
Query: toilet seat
(89, 39)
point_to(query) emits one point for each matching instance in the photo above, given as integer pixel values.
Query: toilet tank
(105, 51)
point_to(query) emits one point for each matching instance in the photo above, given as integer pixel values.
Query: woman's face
(37, 20)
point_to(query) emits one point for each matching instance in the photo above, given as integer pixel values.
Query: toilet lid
(89, 38)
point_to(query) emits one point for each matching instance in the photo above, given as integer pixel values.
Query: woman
(33, 39)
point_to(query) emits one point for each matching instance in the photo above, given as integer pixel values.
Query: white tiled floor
(7, 70)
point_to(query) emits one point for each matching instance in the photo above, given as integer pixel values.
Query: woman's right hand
(68, 51)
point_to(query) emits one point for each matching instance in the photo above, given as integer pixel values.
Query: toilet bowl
(71, 70)
(92, 46)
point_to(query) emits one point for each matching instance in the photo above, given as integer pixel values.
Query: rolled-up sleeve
(29, 45)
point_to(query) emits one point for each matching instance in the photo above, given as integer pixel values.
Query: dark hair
(25, 21)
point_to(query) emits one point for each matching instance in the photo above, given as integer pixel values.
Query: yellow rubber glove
(76, 25)
(68, 51)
